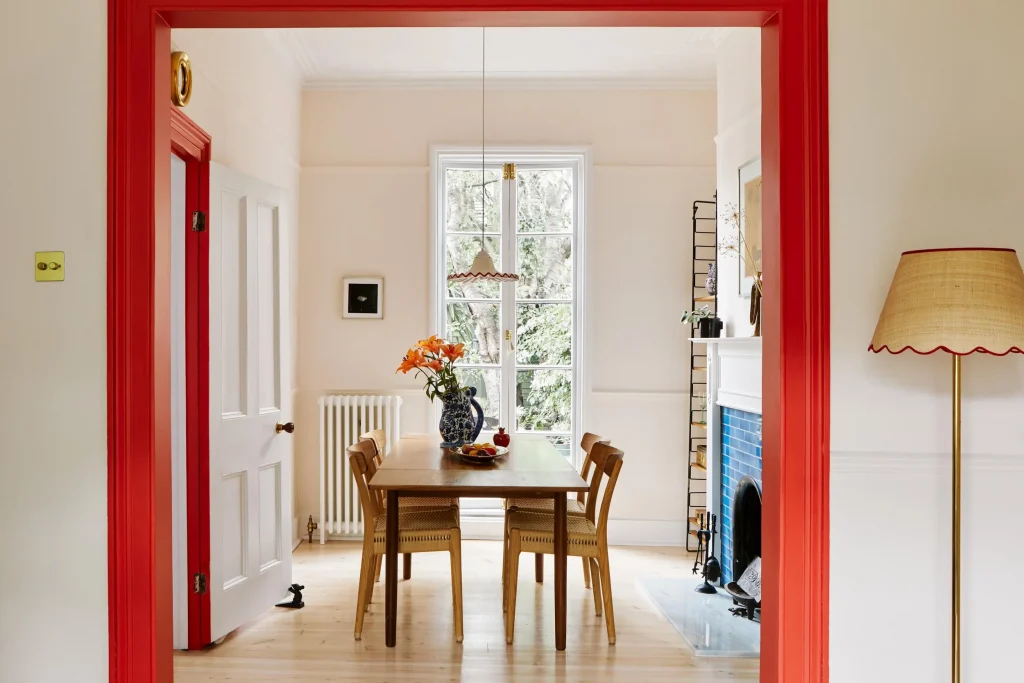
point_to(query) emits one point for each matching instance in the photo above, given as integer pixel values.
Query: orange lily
(432, 344)
(413, 359)
(453, 351)
(435, 365)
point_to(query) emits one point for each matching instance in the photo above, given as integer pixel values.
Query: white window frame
(442, 157)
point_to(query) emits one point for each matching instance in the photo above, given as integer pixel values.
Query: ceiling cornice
(506, 81)
(290, 46)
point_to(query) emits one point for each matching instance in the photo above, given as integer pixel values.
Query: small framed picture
(363, 298)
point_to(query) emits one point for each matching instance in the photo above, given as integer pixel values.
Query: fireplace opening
(746, 548)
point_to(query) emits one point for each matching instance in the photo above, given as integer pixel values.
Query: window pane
(562, 444)
(464, 199)
(543, 334)
(544, 400)
(545, 267)
(478, 326)
(488, 392)
(461, 250)
(544, 200)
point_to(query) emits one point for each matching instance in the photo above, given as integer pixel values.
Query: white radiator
(342, 420)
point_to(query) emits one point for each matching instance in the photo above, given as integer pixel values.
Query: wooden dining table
(418, 466)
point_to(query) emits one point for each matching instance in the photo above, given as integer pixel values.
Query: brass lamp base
(956, 517)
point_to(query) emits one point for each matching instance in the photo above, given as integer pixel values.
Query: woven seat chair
(380, 442)
(532, 532)
(419, 531)
(576, 507)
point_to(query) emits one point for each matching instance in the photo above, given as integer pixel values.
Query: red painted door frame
(796, 306)
(193, 145)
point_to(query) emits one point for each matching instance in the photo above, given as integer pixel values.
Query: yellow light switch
(49, 266)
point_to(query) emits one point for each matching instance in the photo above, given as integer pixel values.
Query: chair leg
(606, 590)
(407, 566)
(379, 562)
(586, 572)
(513, 581)
(362, 598)
(456, 558)
(504, 566)
(538, 567)
(596, 573)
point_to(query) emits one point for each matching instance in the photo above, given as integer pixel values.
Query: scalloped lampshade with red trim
(483, 269)
(960, 301)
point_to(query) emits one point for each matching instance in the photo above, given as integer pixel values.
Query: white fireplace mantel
(733, 381)
(734, 372)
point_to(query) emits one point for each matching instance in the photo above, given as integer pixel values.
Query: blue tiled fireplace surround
(741, 456)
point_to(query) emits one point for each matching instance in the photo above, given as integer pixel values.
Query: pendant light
(483, 265)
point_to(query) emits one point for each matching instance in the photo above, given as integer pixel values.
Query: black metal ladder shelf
(705, 253)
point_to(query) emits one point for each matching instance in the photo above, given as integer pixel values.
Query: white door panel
(250, 392)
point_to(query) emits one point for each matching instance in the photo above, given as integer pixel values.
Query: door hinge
(198, 221)
(199, 583)
(509, 172)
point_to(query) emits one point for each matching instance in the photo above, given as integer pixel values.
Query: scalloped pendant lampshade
(961, 301)
(483, 269)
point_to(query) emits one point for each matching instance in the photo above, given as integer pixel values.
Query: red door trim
(796, 306)
(192, 144)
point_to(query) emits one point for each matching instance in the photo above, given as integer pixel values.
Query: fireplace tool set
(711, 567)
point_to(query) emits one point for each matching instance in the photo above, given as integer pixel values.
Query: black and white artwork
(363, 298)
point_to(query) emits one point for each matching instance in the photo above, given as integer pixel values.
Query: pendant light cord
(483, 134)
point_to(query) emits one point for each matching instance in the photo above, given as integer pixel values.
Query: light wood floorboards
(315, 644)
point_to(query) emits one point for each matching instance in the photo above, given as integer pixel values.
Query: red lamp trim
(978, 349)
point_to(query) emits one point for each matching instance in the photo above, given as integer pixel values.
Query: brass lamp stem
(956, 518)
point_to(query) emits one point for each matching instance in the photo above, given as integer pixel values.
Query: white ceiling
(383, 57)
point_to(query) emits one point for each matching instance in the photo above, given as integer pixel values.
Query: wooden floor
(315, 644)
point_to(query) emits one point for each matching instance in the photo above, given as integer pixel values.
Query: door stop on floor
(296, 601)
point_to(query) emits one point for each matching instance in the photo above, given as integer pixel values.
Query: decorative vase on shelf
(458, 425)
(501, 438)
(711, 283)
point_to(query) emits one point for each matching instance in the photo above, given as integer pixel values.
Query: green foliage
(694, 317)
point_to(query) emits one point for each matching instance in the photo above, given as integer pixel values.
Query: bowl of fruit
(480, 452)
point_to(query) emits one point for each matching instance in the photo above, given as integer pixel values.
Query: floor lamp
(960, 301)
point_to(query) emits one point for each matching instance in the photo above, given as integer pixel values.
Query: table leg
(538, 567)
(391, 574)
(561, 550)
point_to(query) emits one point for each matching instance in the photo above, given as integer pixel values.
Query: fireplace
(745, 588)
(746, 526)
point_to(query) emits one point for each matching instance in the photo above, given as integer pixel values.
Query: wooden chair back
(607, 462)
(362, 457)
(380, 441)
(587, 443)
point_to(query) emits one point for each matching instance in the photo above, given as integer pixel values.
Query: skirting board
(621, 532)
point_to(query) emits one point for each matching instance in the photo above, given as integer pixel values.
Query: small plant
(694, 317)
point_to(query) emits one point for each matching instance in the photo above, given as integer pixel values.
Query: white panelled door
(250, 393)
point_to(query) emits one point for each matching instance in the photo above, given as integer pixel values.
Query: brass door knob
(286, 427)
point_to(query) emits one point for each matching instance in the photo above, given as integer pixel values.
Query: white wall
(53, 377)
(365, 211)
(248, 98)
(926, 149)
(738, 142)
